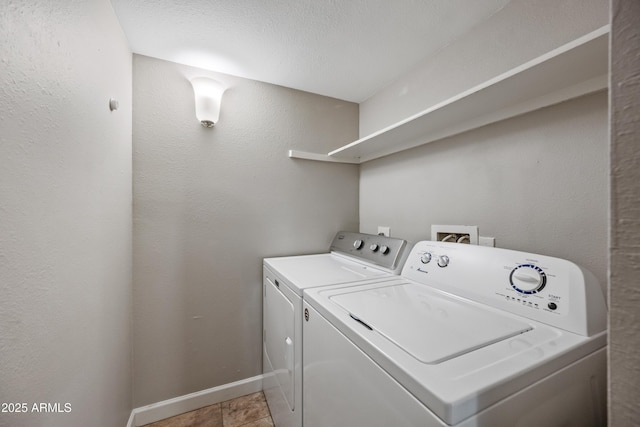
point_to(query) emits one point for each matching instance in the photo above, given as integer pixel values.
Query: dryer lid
(308, 271)
(430, 326)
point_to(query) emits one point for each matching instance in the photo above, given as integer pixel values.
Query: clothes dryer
(352, 257)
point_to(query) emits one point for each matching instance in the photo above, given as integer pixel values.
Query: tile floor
(246, 411)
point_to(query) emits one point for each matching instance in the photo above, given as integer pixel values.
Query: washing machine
(465, 336)
(352, 257)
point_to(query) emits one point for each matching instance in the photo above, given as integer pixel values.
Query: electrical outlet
(455, 233)
(487, 241)
(384, 231)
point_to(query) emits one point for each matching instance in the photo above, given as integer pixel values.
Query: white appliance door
(279, 338)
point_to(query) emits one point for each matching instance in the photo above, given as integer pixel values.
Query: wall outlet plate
(487, 241)
(384, 231)
(439, 232)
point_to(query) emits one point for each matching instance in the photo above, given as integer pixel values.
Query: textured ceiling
(347, 49)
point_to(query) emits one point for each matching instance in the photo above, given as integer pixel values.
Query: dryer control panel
(386, 252)
(546, 289)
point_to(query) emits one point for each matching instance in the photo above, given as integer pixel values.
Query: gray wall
(65, 213)
(624, 320)
(209, 204)
(537, 182)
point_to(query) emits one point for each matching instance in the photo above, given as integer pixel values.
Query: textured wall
(65, 214)
(209, 204)
(537, 182)
(624, 321)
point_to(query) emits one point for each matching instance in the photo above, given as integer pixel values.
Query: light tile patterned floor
(246, 411)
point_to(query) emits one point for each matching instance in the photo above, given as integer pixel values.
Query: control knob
(358, 244)
(528, 279)
(443, 261)
(373, 247)
(425, 258)
(384, 249)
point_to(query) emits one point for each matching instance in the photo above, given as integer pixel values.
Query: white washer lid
(430, 326)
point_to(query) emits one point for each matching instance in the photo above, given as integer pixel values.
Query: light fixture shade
(208, 94)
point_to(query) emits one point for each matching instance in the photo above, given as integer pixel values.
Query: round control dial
(425, 258)
(384, 249)
(373, 247)
(528, 279)
(443, 261)
(358, 244)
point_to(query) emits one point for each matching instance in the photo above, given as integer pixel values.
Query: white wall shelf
(572, 70)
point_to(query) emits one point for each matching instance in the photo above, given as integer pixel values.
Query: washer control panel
(387, 252)
(546, 289)
(440, 260)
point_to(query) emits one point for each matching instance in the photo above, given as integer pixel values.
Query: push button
(552, 306)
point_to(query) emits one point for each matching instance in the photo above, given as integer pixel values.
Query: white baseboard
(132, 418)
(190, 402)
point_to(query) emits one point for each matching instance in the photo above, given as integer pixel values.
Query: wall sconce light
(208, 93)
